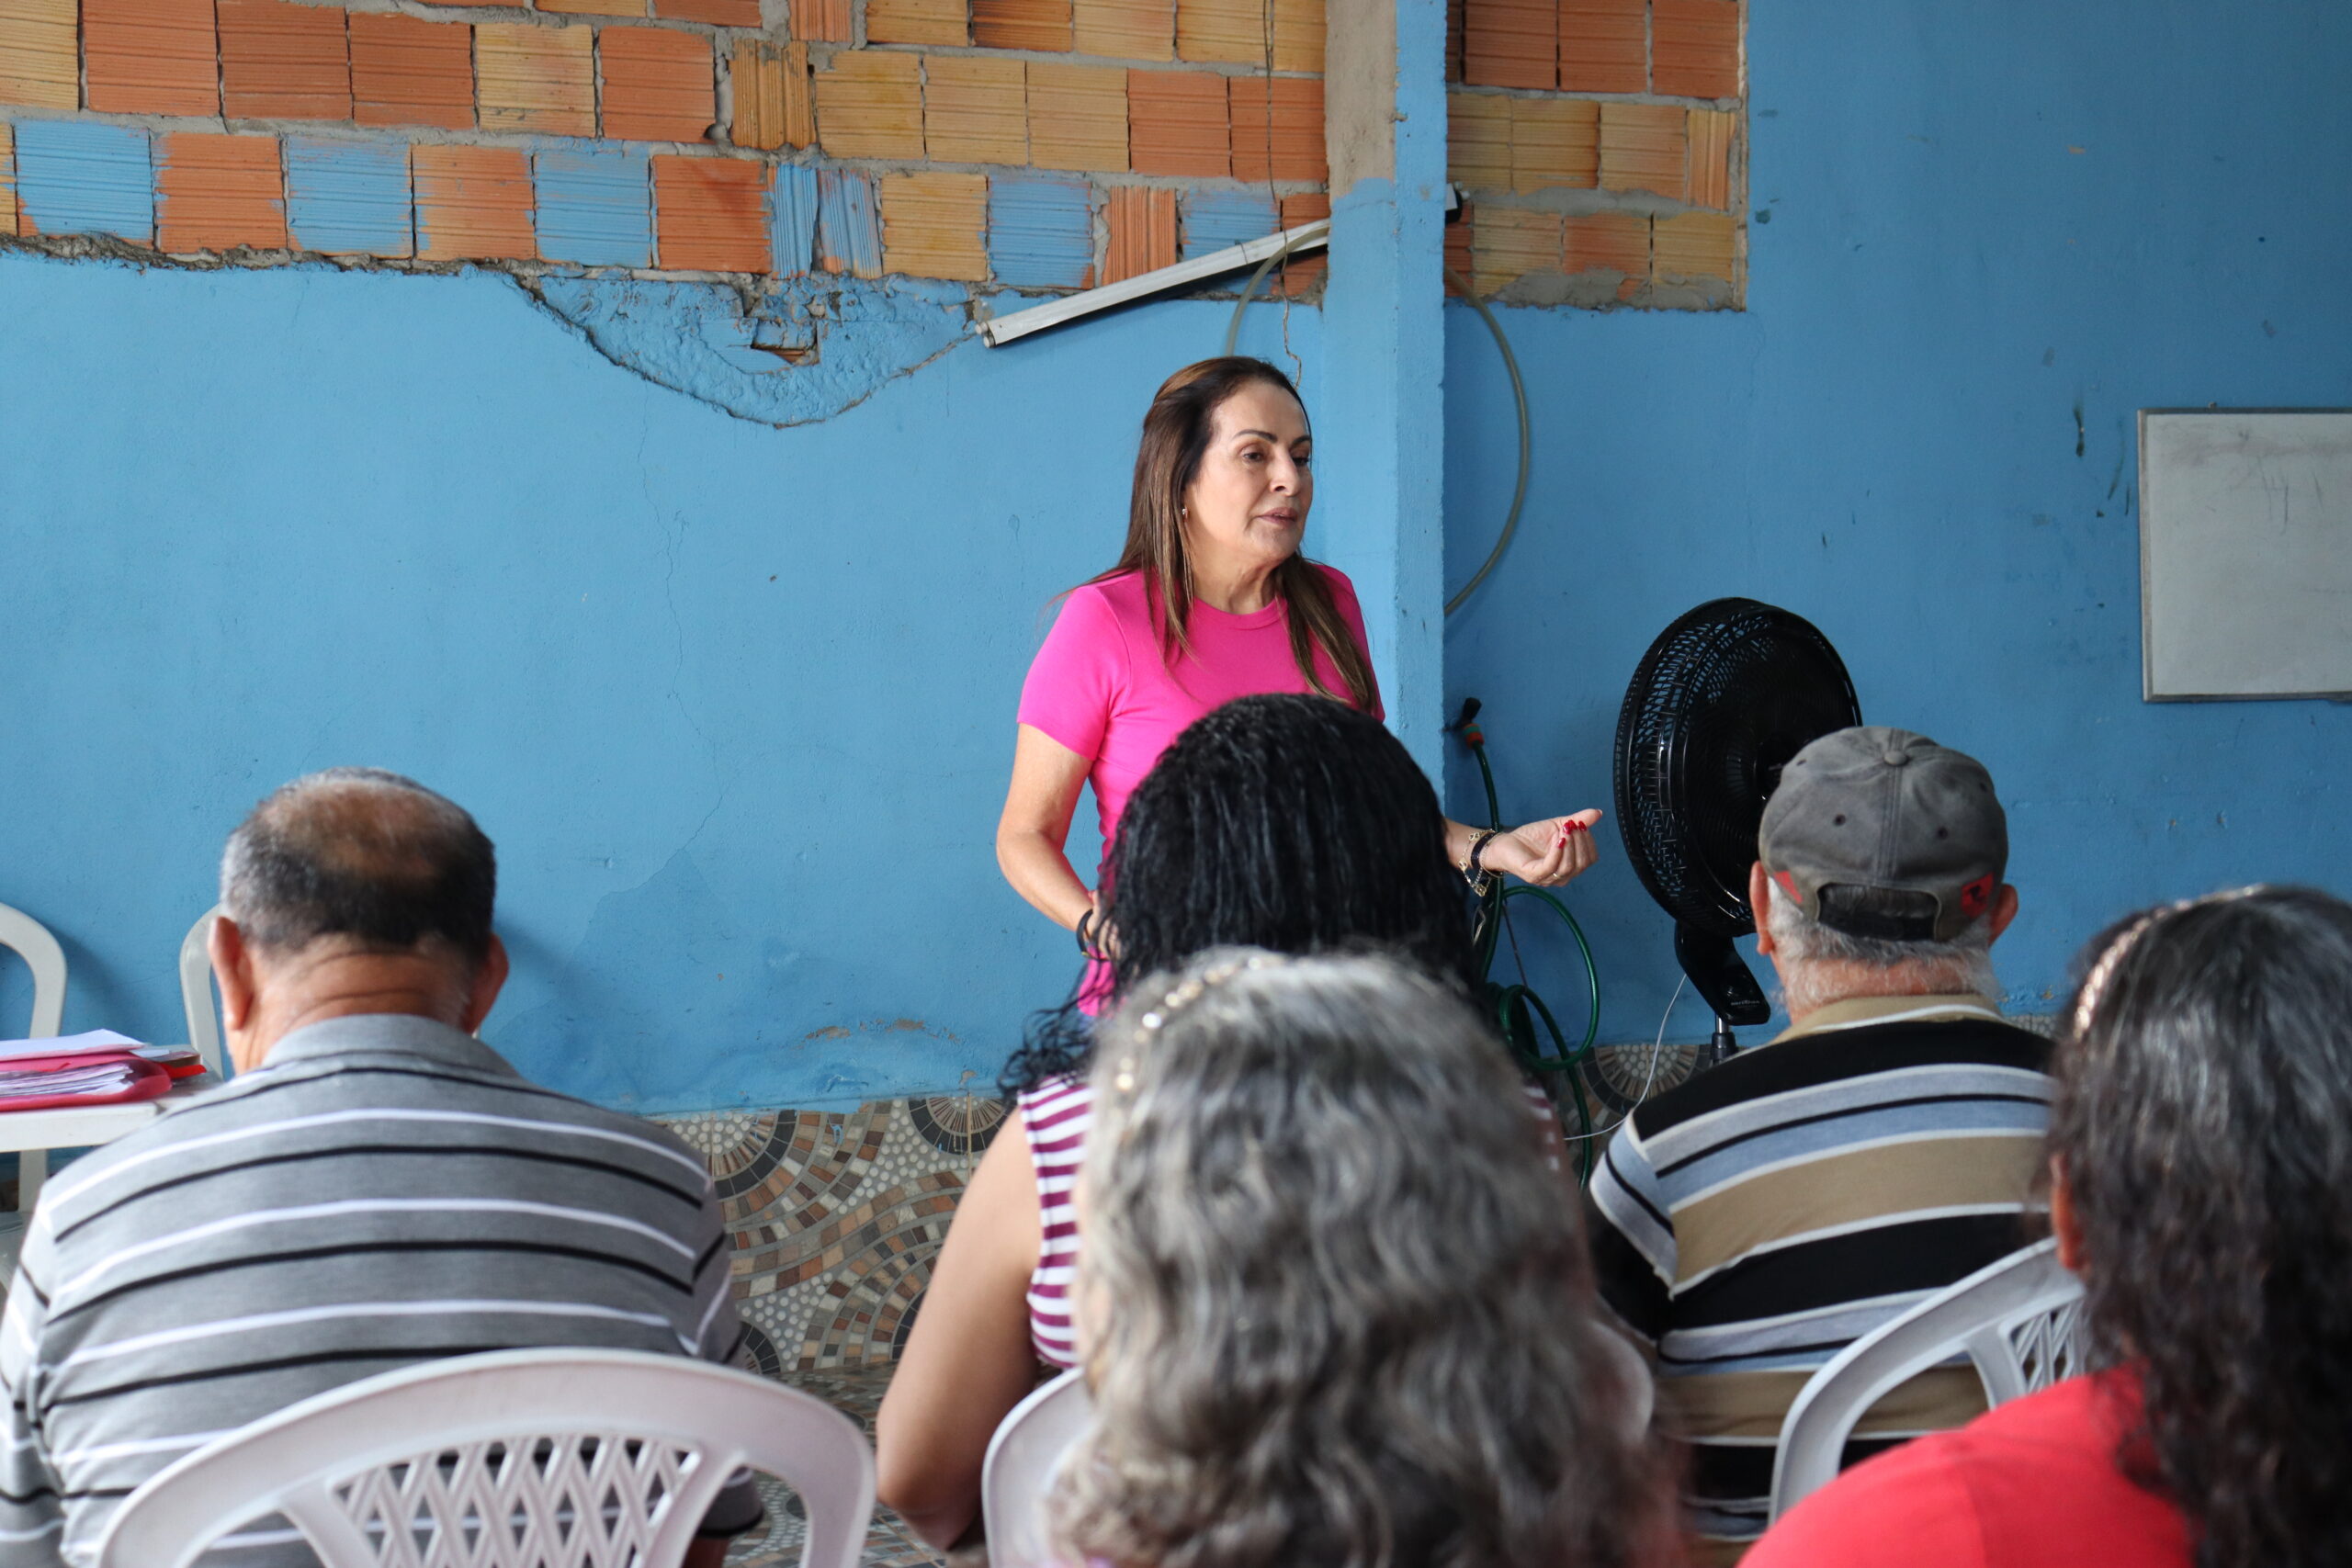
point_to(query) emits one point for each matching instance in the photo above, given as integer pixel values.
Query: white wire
(1657, 1048)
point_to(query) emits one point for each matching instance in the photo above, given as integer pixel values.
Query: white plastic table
(30, 1134)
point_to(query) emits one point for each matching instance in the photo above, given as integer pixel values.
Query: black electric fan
(1720, 703)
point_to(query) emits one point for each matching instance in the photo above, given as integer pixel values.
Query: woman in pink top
(2202, 1184)
(1211, 600)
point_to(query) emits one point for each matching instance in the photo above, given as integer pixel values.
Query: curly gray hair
(1336, 1308)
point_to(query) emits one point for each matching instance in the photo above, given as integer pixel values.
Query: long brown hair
(1176, 431)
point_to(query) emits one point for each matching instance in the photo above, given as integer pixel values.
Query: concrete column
(1380, 429)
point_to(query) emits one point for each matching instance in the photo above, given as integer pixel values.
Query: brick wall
(1038, 144)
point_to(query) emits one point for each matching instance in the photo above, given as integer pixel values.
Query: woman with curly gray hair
(2202, 1185)
(1333, 1310)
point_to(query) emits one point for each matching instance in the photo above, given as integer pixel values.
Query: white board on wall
(2245, 553)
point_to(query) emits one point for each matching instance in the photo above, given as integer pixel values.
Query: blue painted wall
(735, 702)
(1984, 236)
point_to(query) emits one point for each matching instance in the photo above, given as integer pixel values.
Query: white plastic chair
(1023, 1458)
(41, 954)
(517, 1458)
(2018, 1321)
(196, 993)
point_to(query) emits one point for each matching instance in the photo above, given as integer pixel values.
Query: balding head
(364, 855)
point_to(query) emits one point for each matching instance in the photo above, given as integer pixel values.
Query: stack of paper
(99, 1077)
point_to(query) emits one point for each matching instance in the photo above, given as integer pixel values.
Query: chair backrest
(196, 993)
(2017, 1320)
(46, 960)
(1023, 1460)
(517, 1458)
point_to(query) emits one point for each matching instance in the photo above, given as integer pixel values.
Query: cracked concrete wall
(1970, 223)
(735, 702)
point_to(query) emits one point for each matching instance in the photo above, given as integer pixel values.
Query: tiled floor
(888, 1543)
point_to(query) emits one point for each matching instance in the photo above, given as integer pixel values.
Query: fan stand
(1725, 985)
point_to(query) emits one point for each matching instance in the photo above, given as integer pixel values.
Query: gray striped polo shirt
(385, 1191)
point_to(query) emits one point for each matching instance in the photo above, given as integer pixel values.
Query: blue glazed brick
(1041, 232)
(596, 205)
(792, 216)
(849, 229)
(75, 177)
(1216, 219)
(349, 197)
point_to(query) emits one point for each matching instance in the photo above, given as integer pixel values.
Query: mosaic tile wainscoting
(837, 1216)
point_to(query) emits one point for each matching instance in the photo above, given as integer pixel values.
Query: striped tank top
(1055, 1115)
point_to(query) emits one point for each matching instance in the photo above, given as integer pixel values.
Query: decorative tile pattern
(836, 1217)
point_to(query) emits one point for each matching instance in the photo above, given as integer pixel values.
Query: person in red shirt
(2202, 1185)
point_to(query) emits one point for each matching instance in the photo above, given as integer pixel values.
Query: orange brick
(472, 203)
(1608, 242)
(711, 214)
(1456, 16)
(1477, 139)
(1042, 25)
(280, 60)
(658, 84)
(1696, 52)
(215, 193)
(1298, 35)
(713, 13)
(1711, 132)
(1299, 274)
(1233, 33)
(1554, 143)
(1177, 124)
(1511, 241)
(773, 107)
(934, 224)
(1277, 129)
(593, 7)
(1604, 45)
(535, 78)
(1125, 29)
(1642, 148)
(1695, 247)
(1142, 232)
(975, 111)
(41, 55)
(870, 106)
(406, 71)
(940, 23)
(1510, 43)
(8, 178)
(152, 56)
(1078, 117)
(820, 21)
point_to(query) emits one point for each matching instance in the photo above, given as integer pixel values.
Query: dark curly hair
(2203, 1127)
(1292, 823)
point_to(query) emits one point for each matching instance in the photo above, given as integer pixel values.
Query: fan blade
(1717, 973)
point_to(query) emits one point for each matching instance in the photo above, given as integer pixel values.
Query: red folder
(149, 1081)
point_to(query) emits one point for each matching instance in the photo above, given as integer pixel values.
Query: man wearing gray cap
(1756, 1221)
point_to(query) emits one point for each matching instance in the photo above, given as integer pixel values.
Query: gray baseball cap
(1879, 832)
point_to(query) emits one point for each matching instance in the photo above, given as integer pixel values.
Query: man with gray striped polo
(1756, 1221)
(374, 1188)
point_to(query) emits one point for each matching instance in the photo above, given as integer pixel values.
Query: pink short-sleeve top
(1101, 686)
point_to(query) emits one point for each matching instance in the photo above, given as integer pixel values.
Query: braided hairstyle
(1287, 822)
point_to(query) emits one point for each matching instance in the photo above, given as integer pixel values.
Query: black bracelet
(1474, 870)
(1085, 922)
